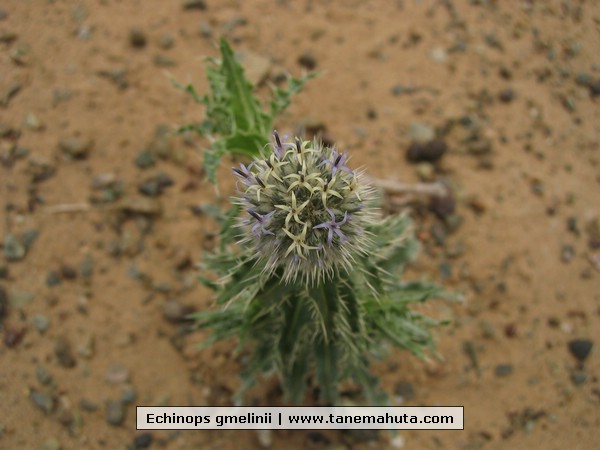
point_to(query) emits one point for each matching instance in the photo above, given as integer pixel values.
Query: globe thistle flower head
(305, 211)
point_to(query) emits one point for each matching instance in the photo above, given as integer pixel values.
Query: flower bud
(305, 210)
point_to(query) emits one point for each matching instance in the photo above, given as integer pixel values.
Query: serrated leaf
(247, 114)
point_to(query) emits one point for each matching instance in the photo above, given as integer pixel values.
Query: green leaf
(247, 114)
(245, 143)
(235, 120)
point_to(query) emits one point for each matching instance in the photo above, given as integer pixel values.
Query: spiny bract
(305, 210)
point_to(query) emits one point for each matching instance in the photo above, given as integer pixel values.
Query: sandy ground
(95, 276)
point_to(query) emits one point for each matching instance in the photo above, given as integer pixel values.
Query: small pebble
(117, 374)
(567, 253)
(86, 346)
(308, 60)
(43, 376)
(43, 401)
(129, 395)
(503, 370)
(39, 169)
(479, 147)
(3, 304)
(13, 248)
(425, 171)
(140, 205)
(52, 279)
(265, 438)
(398, 442)
(205, 30)
(115, 413)
(29, 237)
(442, 207)
(9, 92)
(41, 323)
(76, 147)
(426, 152)
(161, 60)
(68, 272)
(506, 95)
(173, 311)
(583, 79)
(13, 336)
(88, 405)
(33, 123)
(86, 269)
(439, 55)
(488, 330)
(137, 38)
(117, 76)
(143, 440)
(578, 377)
(421, 132)
(63, 353)
(580, 348)
(194, 4)
(595, 88)
(145, 159)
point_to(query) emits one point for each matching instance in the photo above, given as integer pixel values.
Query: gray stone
(145, 159)
(63, 353)
(205, 30)
(13, 248)
(503, 370)
(421, 132)
(76, 147)
(43, 401)
(161, 60)
(173, 311)
(115, 413)
(194, 4)
(41, 323)
(53, 278)
(129, 395)
(43, 376)
(88, 405)
(117, 374)
(3, 303)
(86, 270)
(580, 348)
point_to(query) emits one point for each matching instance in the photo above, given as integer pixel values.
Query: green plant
(313, 286)
(308, 275)
(236, 122)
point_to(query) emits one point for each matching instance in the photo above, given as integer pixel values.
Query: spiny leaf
(247, 114)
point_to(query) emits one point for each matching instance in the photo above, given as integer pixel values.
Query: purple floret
(261, 221)
(337, 162)
(333, 227)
